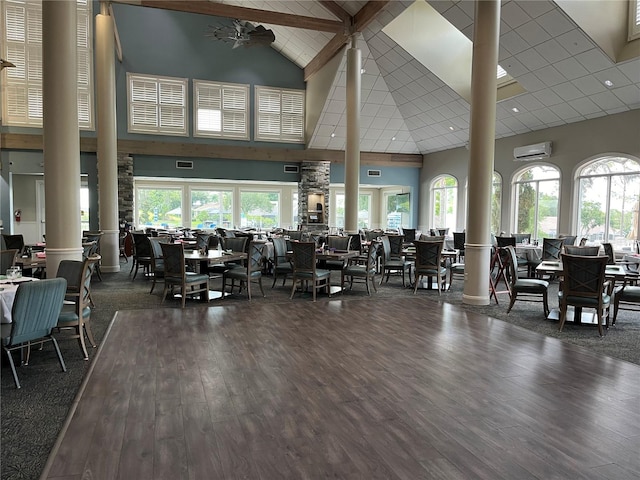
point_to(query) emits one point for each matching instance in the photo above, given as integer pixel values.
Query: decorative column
(107, 141)
(61, 134)
(352, 150)
(481, 150)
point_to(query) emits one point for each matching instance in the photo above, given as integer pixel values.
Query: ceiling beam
(358, 23)
(243, 13)
(337, 10)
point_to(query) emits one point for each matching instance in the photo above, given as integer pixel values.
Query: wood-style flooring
(358, 389)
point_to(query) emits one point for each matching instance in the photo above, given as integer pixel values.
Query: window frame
(432, 193)
(230, 87)
(158, 128)
(32, 114)
(299, 96)
(634, 20)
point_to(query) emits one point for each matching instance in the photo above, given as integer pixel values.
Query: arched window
(496, 202)
(608, 196)
(444, 198)
(536, 191)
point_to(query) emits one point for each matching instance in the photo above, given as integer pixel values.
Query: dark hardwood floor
(359, 389)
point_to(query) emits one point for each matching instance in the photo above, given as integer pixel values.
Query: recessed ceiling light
(608, 83)
(451, 128)
(333, 134)
(362, 70)
(515, 110)
(393, 139)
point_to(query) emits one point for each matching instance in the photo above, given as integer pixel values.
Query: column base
(475, 300)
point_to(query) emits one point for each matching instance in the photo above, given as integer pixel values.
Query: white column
(107, 141)
(61, 135)
(481, 150)
(352, 150)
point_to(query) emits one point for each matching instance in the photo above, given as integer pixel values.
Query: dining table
(202, 259)
(614, 273)
(8, 289)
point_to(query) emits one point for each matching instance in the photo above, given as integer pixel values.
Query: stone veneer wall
(314, 179)
(125, 187)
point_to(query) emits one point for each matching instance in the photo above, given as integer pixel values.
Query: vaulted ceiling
(568, 75)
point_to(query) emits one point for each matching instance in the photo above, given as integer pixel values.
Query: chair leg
(13, 368)
(514, 295)
(183, 290)
(563, 316)
(600, 322)
(545, 303)
(616, 304)
(293, 288)
(260, 284)
(83, 347)
(59, 353)
(373, 282)
(417, 281)
(87, 328)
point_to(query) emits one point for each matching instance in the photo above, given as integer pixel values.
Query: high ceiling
(407, 109)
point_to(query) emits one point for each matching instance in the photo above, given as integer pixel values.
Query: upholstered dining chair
(522, 237)
(76, 315)
(584, 286)
(365, 272)
(583, 250)
(629, 297)
(305, 270)
(157, 260)
(530, 289)
(176, 275)
(12, 242)
(391, 263)
(251, 274)
(568, 239)
(429, 264)
(459, 240)
(336, 242)
(141, 254)
(551, 249)
(34, 314)
(281, 264)
(94, 237)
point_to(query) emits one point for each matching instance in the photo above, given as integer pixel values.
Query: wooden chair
(176, 275)
(34, 315)
(281, 264)
(305, 270)
(336, 242)
(629, 297)
(76, 317)
(530, 289)
(252, 273)
(94, 237)
(551, 249)
(13, 242)
(157, 261)
(394, 262)
(141, 254)
(366, 272)
(429, 264)
(584, 286)
(459, 240)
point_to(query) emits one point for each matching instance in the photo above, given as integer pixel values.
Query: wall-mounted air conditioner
(537, 151)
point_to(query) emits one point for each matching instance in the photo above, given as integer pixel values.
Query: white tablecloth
(530, 252)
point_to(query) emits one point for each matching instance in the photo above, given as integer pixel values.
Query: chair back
(396, 244)
(409, 234)
(279, 250)
(522, 237)
(255, 259)
(551, 248)
(459, 239)
(581, 250)
(505, 241)
(304, 256)
(202, 240)
(608, 251)
(36, 308)
(235, 244)
(372, 257)
(386, 247)
(78, 277)
(583, 276)
(371, 235)
(338, 242)
(428, 254)
(568, 239)
(142, 247)
(355, 242)
(7, 259)
(13, 242)
(513, 264)
(157, 260)
(174, 266)
(432, 238)
(583, 241)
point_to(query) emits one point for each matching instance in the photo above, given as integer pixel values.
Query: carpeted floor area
(33, 415)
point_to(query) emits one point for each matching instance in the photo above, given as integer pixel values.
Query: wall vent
(374, 173)
(291, 169)
(188, 164)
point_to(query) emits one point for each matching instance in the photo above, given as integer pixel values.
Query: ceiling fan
(242, 34)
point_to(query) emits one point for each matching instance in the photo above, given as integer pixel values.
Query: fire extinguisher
(17, 215)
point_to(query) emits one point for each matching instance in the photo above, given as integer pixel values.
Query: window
(22, 45)
(536, 192)
(496, 201)
(211, 209)
(397, 210)
(294, 209)
(157, 104)
(444, 201)
(280, 115)
(260, 210)
(608, 201)
(220, 110)
(364, 210)
(634, 19)
(158, 207)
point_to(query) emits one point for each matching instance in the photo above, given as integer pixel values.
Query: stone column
(352, 150)
(481, 150)
(61, 134)
(107, 141)
(314, 180)
(125, 188)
